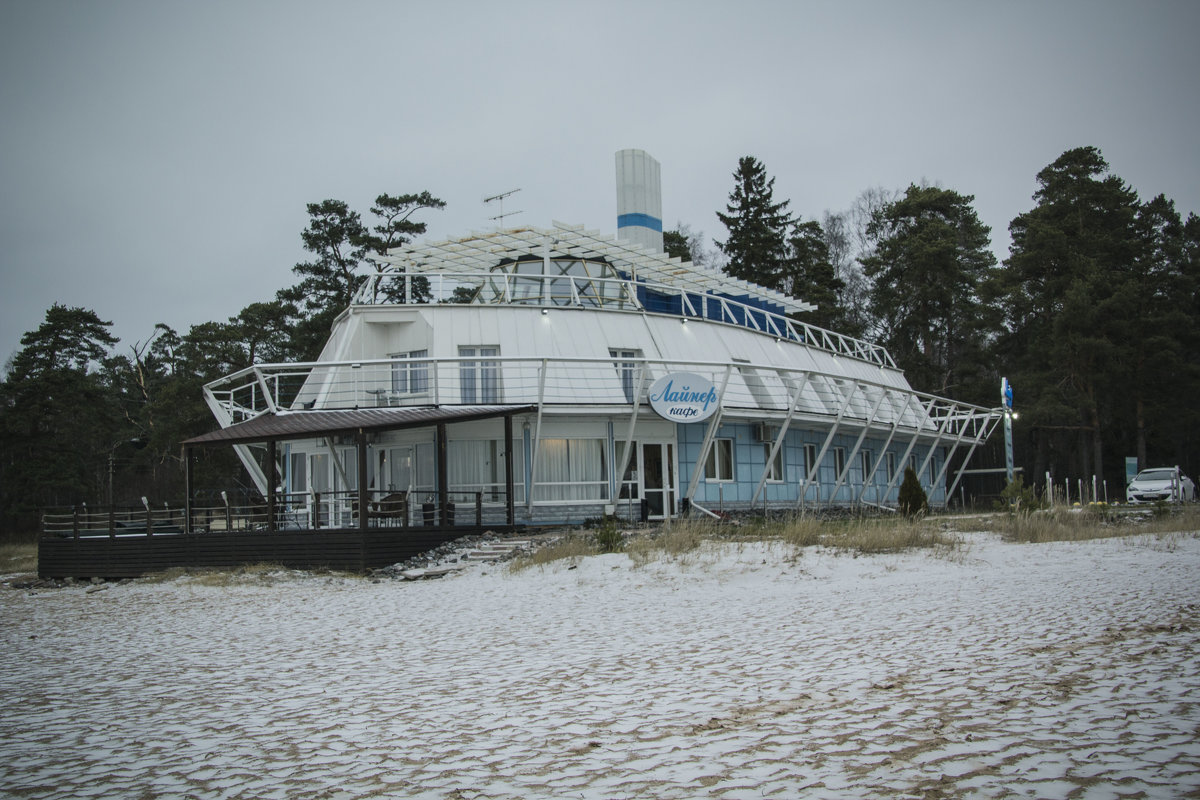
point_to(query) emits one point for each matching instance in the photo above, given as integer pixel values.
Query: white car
(1160, 485)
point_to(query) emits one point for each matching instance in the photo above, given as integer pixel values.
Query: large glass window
(570, 470)
(867, 460)
(839, 462)
(719, 464)
(479, 380)
(410, 372)
(478, 466)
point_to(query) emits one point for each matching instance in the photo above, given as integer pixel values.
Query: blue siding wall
(750, 459)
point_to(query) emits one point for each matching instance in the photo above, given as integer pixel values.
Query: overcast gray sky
(157, 156)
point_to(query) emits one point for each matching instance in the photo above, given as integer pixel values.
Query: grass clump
(676, 540)
(1094, 521)
(868, 535)
(573, 548)
(18, 557)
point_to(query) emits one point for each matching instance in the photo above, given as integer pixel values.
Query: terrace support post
(112, 521)
(74, 522)
(478, 509)
(364, 515)
(271, 499)
(187, 489)
(443, 475)
(709, 435)
(510, 516)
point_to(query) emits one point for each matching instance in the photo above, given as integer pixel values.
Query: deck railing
(557, 291)
(293, 511)
(767, 392)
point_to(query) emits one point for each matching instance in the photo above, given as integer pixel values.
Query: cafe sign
(683, 397)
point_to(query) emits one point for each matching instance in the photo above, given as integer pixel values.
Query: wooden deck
(131, 556)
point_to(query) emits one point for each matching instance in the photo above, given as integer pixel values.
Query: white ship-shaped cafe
(546, 375)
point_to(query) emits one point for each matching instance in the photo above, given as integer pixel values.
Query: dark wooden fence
(134, 555)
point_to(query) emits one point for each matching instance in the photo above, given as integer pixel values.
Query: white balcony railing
(501, 288)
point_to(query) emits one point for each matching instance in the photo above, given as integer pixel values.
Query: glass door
(658, 479)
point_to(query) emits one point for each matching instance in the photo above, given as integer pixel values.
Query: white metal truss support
(959, 437)
(911, 444)
(628, 452)
(811, 469)
(941, 434)
(537, 435)
(854, 451)
(243, 452)
(862, 493)
(793, 401)
(985, 430)
(267, 394)
(708, 436)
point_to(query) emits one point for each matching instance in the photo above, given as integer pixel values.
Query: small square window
(774, 465)
(719, 464)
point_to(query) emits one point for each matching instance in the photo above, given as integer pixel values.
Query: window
(891, 467)
(774, 465)
(867, 460)
(478, 466)
(480, 380)
(626, 370)
(810, 461)
(839, 462)
(409, 377)
(719, 464)
(571, 470)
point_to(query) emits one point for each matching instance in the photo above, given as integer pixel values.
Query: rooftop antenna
(499, 198)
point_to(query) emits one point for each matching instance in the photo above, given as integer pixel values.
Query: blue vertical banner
(1006, 399)
(1131, 469)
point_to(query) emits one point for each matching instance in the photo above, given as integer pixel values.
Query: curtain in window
(571, 470)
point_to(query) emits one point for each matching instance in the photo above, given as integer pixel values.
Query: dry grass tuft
(869, 535)
(573, 548)
(20, 557)
(1097, 521)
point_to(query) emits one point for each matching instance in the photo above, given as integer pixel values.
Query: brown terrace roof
(305, 424)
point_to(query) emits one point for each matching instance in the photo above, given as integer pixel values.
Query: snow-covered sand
(1005, 670)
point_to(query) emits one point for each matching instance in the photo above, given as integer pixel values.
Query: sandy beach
(741, 671)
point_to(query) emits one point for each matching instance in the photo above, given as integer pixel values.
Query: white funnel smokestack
(639, 199)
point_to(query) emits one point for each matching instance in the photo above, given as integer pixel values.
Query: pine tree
(932, 255)
(1058, 292)
(811, 276)
(757, 247)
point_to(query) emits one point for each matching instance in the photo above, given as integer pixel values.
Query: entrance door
(658, 479)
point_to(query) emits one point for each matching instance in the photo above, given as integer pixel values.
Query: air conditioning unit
(764, 432)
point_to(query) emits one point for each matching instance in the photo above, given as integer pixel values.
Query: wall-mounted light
(683, 321)
(545, 311)
(356, 366)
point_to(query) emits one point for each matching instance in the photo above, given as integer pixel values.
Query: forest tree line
(1093, 317)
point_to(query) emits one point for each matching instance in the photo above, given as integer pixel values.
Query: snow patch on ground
(736, 671)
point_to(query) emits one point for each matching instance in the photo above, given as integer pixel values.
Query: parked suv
(1161, 484)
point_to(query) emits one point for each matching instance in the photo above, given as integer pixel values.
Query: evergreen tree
(58, 417)
(932, 255)
(811, 276)
(1058, 292)
(341, 242)
(757, 244)
(396, 228)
